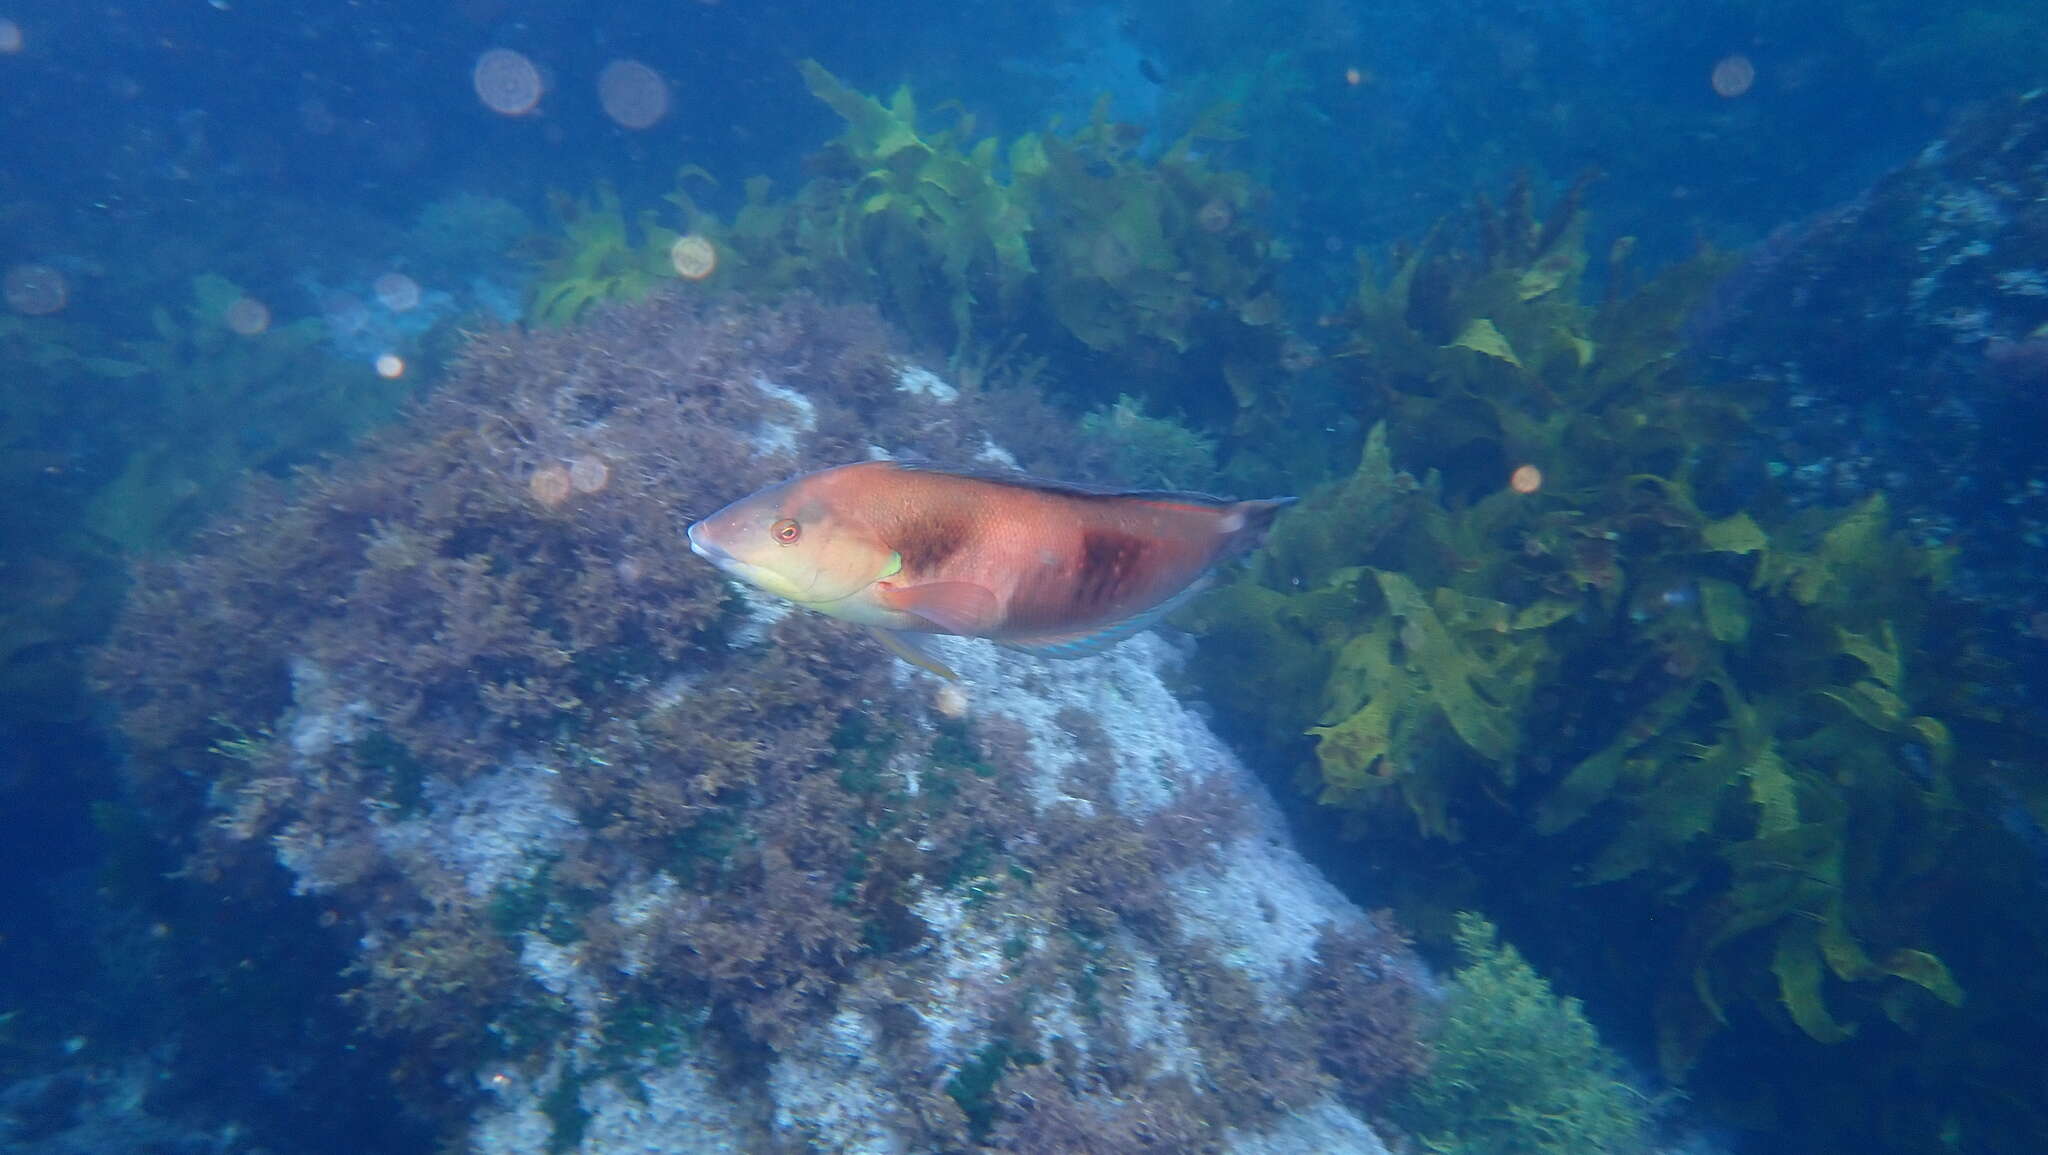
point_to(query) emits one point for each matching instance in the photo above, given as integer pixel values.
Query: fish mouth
(708, 551)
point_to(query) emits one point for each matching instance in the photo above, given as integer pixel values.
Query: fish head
(798, 540)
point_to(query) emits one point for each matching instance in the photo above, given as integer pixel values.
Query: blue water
(239, 235)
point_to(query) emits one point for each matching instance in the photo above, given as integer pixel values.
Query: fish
(1050, 568)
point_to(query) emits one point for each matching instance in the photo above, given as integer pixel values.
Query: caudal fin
(1255, 521)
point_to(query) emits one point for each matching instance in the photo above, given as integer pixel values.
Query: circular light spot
(633, 94)
(589, 474)
(10, 37)
(37, 290)
(1354, 76)
(396, 291)
(345, 313)
(506, 82)
(391, 366)
(950, 701)
(1525, 479)
(694, 256)
(1215, 215)
(550, 486)
(247, 316)
(1733, 75)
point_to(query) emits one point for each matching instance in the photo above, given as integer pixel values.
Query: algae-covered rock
(1904, 336)
(627, 860)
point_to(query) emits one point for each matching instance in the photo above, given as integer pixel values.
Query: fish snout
(704, 547)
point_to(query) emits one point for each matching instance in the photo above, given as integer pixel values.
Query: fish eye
(787, 531)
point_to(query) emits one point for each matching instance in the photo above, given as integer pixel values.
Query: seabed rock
(1905, 339)
(627, 861)
(1252, 904)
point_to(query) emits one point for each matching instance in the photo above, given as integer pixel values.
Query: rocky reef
(627, 860)
(1905, 339)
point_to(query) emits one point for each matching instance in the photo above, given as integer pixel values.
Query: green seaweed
(567, 1117)
(1127, 267)
(211, 403)
(973, 1085)
(1737, 722)
(1516, 1070)
(539, 905)
(599, 257)
(1158, 452)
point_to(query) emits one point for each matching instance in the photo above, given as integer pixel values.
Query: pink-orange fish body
(1056, 569)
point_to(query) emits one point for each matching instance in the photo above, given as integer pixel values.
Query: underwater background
(1633, 740)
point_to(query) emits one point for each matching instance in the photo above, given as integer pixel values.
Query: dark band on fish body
(926, 542)
(1109, 560)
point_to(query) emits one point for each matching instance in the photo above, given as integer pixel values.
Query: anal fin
(911, 650)
(1095, 639)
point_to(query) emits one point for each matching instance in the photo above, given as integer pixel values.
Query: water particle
(1733, 75)
(693, 256)
(507, 82)
(397, 292)
(589, 474)
(633, 94)
(36, 290)
(247, 316)
(550, 485)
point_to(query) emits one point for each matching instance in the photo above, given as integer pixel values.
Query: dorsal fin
(1061, 488)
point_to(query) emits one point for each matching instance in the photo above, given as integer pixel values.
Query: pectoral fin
(956, 607)
(910, 650)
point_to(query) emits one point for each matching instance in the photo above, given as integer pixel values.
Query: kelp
(1133, 266)
(209, 403)
(598, 256)
(1727, 715)
(118, 443)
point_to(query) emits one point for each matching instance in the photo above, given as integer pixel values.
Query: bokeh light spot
(507, 82)
(396, 292)
(550, 485)
(1733, 75)
(694, 256)
(1525, 479)
(10, 37)
(633, 94)
(37, 290)
(391, 366)
(589, 474)
(247, 316)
